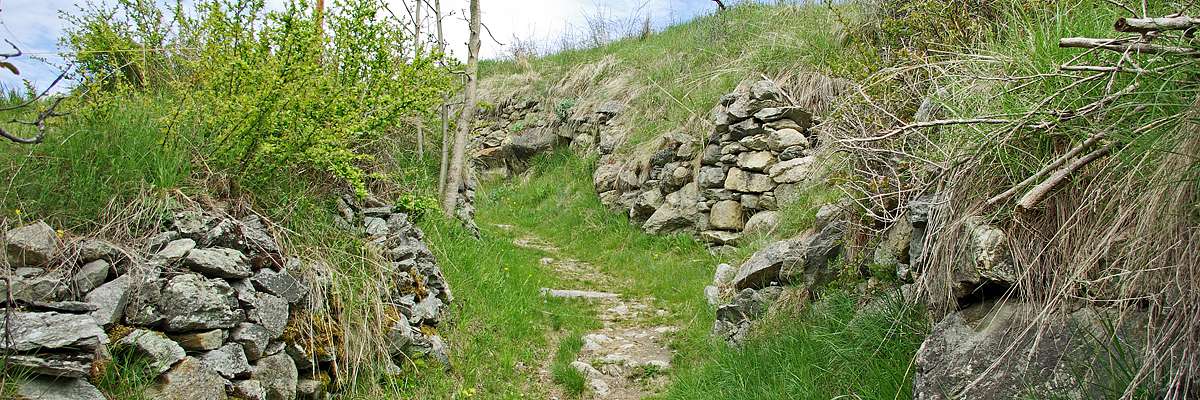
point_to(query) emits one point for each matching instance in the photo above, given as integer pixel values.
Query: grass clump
(564, 374)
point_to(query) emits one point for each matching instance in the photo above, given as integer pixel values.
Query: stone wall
(212, 304)
(754, 161)
(507, 136)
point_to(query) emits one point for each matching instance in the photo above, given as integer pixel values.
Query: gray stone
(647, 202)
(36, 331)
(32, 245)
(68, 365)
(160, 240)
(269, 311)
(49, 287)
(679, 176)
(764, 222)
(921, 211)
(787, 193)
(281, 284)
(218, 263)
(711, 177)
(201, 341)
(995, 342)
(176, 250)
(750, 202)
(72, 307)
(228, 360)
(755, 160)
(791, 171)
(309, 389)
(190, 379)
(96, 249)
(726, 215)
(192, 223)
(378, 212)
(254, 339)
(719, 238)
(724, 275)
(249, 389)
(45, 388)
(817, 250)
(745, 181)
(989, 252)
(376, 226)
(754, 143)
(530, 142)
(156, 347)
(91, 275)
(764, 266)
(792, 153)
(192, 302)
(786, 138)
(677, 213)
(765, 90)
(427, 311)
(892, 250)
(746, 128)
(712, 155)
(712, 295)
(255, 236)
(278, 376)
(110, 300)
(400, 335)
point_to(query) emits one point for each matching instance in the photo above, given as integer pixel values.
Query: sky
(35, 26)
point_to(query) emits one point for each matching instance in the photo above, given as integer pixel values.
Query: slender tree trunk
(443, 164)
(454, 178)
(417, 50)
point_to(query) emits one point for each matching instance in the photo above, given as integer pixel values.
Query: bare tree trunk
(444, 162)
(454, 178)
(417, 50)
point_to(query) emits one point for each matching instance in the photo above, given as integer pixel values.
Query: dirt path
(628, 356)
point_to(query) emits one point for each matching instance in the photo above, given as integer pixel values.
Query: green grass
(827, 351)
(564, 374)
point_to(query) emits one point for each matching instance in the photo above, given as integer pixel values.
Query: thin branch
(1046, 170)
(1123, 45)
(1039, 192)
(40, 123)
(929, 124)
(1145, 25)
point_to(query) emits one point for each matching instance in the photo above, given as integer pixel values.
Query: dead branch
(1046, 169)
(1039, 192)
(1095, 68)
(1124, 45)
(929, 124)
(720, 5)
(39, 123)
(1145, 25)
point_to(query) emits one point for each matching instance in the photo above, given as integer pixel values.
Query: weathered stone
(787, 193)
(795, 114)
(720, 237)
(192, 223)
(281, 284)
(921, 211)
(45, 388)
(785, 138)
(95, 249)
(176, 250)
(160, 240)
(892, 250)
(190, 379)
(269, 311)
(157, 348)
(746, 128)
(792, 153)
(763, 222)
(765, 90)
(744, 181)
(310, 389)
(249, 389)
(91, 275)
(811, 266)
(711, 177)
(218, 263)
(791, 171)
(36, 331)
(228, 360)
(278, 376)
(605, 177)
(754, 143)
(712, 295)
(48, 287)
(750, 201)
(994, 342)
(647, 202)
(755, 160)
(191, 302)
(679, 176)
(255, 237)
(68, 365)
(254, 339)
(32, 245)
(201, 341)
(720, 118)
(767, 202)
(764, 266)
(375, 227)
(428, 311)
(724, 275)
(726, 215)
(70, 307)
(110, 300)
(712, 155)
(678, 212)
(989, 252)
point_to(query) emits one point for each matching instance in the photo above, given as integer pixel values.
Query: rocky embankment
(212, 305)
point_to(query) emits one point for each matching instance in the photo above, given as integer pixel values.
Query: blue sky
(35, 26)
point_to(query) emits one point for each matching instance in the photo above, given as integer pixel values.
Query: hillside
(984, 199)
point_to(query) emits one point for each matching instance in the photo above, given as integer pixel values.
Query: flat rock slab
(50, 330)
(579, 294)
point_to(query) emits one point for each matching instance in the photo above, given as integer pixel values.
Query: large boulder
(1005, 351)
(32, 245)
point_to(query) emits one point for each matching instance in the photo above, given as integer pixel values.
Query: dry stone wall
(755, 160)
(508, 135)
(212, 304)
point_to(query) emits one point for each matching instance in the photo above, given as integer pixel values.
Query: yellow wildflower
(59, 233)
(17, 211)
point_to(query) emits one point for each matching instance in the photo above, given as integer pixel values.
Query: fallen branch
(1046, 169)
(1145, 25)
(1094, 68)
(1039, 192)
(1123, 46)
(929, 124)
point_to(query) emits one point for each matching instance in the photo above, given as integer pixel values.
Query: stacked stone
(419, 296)
(506, 137)
(760, 151)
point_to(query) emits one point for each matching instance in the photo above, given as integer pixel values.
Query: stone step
(579, 294)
